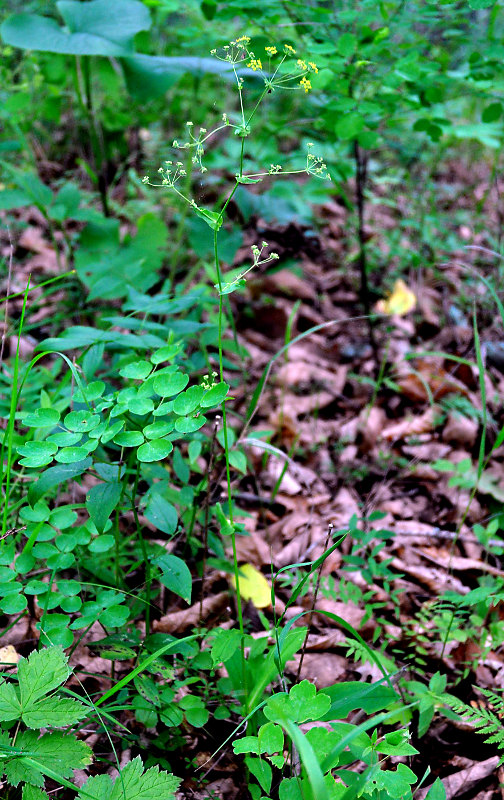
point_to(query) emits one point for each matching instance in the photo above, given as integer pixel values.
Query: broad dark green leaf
(54, 476)
(175, 575)
(101, 500)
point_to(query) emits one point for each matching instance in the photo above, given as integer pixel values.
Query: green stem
(9, 435)
(96, 149)
(143, 547)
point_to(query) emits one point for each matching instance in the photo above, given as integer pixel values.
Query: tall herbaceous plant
(280, 68)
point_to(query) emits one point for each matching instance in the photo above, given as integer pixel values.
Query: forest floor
(384, 444)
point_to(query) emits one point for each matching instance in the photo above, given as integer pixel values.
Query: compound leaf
(54, 712)
(10, 707)
(132, 784)
(56, 751)
(39, 674)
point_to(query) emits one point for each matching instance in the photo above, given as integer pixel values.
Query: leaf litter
(354, 447)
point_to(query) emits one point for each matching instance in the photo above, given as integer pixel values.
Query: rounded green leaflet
(68, 587)
(70, 604)
(155, 450)
(102, 543)
(195, 712)
(60, 561)
(163, 408)
(138, 370)
(64, 439)
(53, 630)
(165, 353)
(114, 616)
(24, 563)
(111, 432)
(215, 395)
(98, 432)
(140, 405)
(36, 587)
(129, 438)
(189, 424)
(159, 429)
(92, 391)
(70, 455)
(6, 575)
(188, 401)
(37, 448)
(45, 533)
(37, 454)
(81, 421)
(63, 517)
(168, 385)
(39, 513)
(41, 418)
(13, 603)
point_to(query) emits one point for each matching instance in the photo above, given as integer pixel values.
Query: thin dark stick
(6, 315)
(360, 188)
(314, 602)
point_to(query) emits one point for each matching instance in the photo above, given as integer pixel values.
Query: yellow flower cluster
(255, 64)
(242, 40)
(289, 50)
(305, 83)
(271, 51)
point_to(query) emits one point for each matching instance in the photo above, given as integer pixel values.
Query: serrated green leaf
(10, 707)
(55, 751)
(54, 712)
(132, 784)
(33, 793)
(39, 674)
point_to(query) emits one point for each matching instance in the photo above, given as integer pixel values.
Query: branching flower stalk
(280, 76)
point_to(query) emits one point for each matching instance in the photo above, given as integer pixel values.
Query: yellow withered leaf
(400, 302)
(8, 656)
(253, 586)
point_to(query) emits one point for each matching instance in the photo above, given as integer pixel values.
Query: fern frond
(484, 720)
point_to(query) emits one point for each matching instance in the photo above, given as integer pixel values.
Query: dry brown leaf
(461, 781)
(324, 669)
(8, 656)
(180, 620)
(295, 405)
(371, 425)
(411, 426)
(286, 282)
(461, 430)
(435, 579)
(347, 611)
